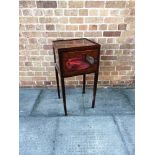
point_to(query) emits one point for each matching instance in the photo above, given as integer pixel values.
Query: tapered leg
(57, 80)
(63, 95)
(94, 89)
(84, 83)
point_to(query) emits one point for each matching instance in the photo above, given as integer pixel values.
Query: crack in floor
(122, 138)
(37, 101)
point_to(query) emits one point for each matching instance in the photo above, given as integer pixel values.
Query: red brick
(123, 63)
(66, 34)
(75, 4)
(123, 68)
(83, 12)
(107, 68)
(127, 52)
(40, 27)
(102, 41)
(35, 58)
(115, 4)
(58, 12)
(92, 27)
(47, 82)
(94, 20)
(27, 12)
(89, 82)
(71, 27)
(62, 4)
(38, 12)
(125, 58)
(114, 73)
(48, 12)
(21, 47)
(73, 12)
(113, 20)
(49, 27)
(130, 4)
(22, 58)
(27, 4)
(50, 34)
(53, 83)
(28, 63)
(93, 12)
(39, 78)
(122, 26)
(32, 40)
(45, 20)
(47, 47)
(114, 12)
(27, 83)
(103, 27)
(82, 27)
(22, 68)
(23, 4)
(112, 27)
(89, 77)
(129, 19)
(108, 57)
(93, 34)
(94, 4)
(76, 20)
(28, 20)
(108, 63)
(46, 4)
(111, 33)
(105, 73)
(30, 27)
(111, 46)
(132, 12)
(39, 83)
(110, 40)
(21, 64)
(30, 74)
(106, 82)
(109, 52)
(72, 82)
(127, 46)
(38, 73)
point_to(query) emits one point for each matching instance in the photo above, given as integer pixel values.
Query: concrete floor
(108, 129)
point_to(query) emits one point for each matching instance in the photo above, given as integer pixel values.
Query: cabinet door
(79, 62)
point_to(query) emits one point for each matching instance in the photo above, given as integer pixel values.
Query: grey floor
(108, 129)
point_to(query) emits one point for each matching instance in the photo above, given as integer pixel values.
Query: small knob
(90, 59)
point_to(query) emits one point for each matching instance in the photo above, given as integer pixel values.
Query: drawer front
(79, 62)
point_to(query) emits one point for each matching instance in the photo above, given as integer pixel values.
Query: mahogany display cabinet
(76, 57)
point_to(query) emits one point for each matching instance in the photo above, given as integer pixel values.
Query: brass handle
(90, 59)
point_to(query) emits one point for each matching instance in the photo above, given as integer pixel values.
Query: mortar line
(122, 138)
(36, 102)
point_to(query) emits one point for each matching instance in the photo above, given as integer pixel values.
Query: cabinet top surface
(73, 43)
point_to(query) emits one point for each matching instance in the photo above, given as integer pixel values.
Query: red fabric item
(77, 63)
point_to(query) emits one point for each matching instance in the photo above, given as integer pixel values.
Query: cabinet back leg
(57, 80)
(84, 83)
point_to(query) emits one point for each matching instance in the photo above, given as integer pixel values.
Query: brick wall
(110, 23)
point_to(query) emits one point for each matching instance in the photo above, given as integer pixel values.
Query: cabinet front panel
(79, 62)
